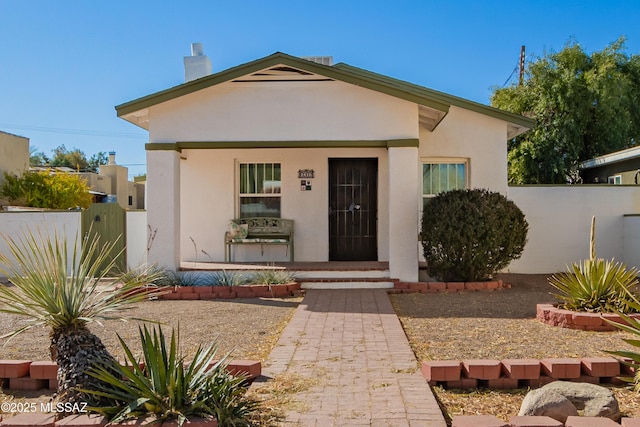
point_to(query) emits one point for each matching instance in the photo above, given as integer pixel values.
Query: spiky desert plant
(228, 278)
(163, 385)
(273, 277)
(631, 325)
(66, 290)
(596, 284)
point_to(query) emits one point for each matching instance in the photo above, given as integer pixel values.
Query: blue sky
(65, 64)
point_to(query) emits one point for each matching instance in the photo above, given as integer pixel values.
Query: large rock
(547, 403)
(551, 400)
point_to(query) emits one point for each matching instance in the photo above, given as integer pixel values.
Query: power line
(84, 132)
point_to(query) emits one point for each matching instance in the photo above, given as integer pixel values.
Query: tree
(37, 158)
(67, 291)
(584, 105)
(74, 159)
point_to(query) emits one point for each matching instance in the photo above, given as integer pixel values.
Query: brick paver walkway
(352, 344)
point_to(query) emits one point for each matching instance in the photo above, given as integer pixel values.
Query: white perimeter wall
(560, 219)
(68, 225)
(15, 225)
(208, 200)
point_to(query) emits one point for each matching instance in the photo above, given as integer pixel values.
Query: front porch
(315, 275)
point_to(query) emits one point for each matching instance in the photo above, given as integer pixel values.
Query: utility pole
(521, 79)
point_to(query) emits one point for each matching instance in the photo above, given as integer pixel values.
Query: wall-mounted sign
(305, 185)
(305, 173)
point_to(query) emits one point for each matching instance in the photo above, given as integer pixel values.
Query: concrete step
(346, 282)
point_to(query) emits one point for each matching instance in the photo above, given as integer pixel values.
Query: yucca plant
(228, 278)
(66, 291)
(163, 385)
(596, 284)
(629, 357)
(273, 277)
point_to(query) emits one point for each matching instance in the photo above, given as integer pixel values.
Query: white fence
(560, 219)
(68, 224)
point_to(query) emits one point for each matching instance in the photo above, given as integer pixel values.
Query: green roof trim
(208, 145)
(442, 97)
(342, 72)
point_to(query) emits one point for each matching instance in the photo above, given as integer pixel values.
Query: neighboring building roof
(607, 159)
(13, 134)
(434, 105)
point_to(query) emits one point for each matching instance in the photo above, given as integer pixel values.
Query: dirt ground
(246, 327)
(497, 325)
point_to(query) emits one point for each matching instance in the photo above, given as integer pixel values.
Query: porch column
(163, 208)
(404, 190)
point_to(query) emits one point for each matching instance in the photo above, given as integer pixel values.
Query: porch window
(260, 185)
(443, 176)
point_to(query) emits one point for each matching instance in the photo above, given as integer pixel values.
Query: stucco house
(618, 168)
(346, 153)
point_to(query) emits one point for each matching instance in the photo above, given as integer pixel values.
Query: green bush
(44, 190)
(469, 235)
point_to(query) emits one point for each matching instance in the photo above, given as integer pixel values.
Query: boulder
(547, 403)
(591, 399)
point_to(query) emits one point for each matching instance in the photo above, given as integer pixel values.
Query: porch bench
(261, 231)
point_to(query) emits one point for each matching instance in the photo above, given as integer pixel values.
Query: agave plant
(596, 284)
(163, 385)
(228, 278)
(629, 357)
(273, 277)
(66, 292)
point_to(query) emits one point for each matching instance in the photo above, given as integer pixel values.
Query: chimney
(197, 65)
(112, 158)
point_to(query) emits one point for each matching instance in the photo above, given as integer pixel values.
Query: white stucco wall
(468, 135)
(273, 112)
(560, 219)
(163, 211)
(209, 201)
(15, 225)
(136, 238)
(404, 181)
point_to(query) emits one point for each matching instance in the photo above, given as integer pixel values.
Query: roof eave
(420, 95)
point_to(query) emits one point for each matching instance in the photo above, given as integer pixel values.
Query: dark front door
(353, 203)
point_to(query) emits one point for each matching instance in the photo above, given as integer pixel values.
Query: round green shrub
(469, 235)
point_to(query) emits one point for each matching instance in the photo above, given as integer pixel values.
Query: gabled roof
(433, 105)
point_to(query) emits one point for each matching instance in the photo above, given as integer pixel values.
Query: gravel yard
(497, 325)
(246, 327)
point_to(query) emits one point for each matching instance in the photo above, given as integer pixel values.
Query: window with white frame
(615, 179)
(260, 186)
(439, 176)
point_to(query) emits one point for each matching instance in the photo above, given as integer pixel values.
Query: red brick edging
(427, 287)
(522, 373)
(232, 292)
(92, 420)
(28, 375)
(554, 316)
